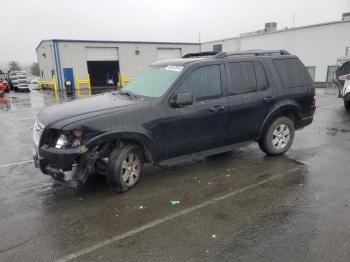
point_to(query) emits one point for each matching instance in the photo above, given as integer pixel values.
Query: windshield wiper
(128, 93)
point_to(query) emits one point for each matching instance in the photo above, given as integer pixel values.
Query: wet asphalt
(237, 206)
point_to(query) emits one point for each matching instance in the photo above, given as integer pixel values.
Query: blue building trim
(56, 64)
(59, 66)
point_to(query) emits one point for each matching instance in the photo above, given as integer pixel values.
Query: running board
(198, 156)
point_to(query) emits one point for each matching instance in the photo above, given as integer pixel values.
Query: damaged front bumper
(69, 167)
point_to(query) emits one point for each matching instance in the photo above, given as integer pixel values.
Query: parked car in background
(4, 85)
(13, 80)
(205, 103)
(19, 81)
(22, 82)
(343, 80)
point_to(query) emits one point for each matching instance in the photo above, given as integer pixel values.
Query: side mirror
(181, 100)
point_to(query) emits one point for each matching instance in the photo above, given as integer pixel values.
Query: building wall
(45, 59)
(318, 46)
(73, 55)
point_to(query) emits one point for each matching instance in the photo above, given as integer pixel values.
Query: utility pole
(293, 19)
(199, 41)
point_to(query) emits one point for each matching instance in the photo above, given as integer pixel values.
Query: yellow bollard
(54, 84)
(77, 84)
(89, 84)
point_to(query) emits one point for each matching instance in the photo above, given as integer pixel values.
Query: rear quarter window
(292, 72)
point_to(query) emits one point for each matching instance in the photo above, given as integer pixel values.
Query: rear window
(292, 72)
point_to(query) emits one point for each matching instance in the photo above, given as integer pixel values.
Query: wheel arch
(291, 110)
(145, 142)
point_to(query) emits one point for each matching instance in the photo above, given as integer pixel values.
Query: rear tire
(278, 137)
(347, 105)
(124, 167)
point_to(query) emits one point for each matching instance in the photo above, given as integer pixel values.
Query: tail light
(347, 77)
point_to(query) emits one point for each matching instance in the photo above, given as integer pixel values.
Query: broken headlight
(70, 139)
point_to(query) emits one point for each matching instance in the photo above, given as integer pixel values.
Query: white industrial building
(103, 61)
(318, 46)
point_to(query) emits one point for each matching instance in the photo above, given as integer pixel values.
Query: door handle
(269, 99)
(217, 108)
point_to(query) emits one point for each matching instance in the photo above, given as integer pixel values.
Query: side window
(204, 83)
(261, 81)
(243, 78)
(292, 72)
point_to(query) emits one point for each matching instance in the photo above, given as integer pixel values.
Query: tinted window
(243, 78)
(292, 72)
(261, 81)
(204, 83)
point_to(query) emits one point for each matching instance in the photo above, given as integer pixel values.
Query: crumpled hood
(95, 104)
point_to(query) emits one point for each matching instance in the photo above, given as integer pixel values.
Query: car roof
(209, 56)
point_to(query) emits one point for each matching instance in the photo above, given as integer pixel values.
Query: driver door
(203, 124)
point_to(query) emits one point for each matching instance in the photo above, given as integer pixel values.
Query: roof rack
(255, 52)
(200, 54)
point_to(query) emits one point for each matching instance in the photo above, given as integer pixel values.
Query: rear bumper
(305, 122)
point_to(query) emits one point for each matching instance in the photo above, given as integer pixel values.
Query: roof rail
(209, 53)
(255, 52)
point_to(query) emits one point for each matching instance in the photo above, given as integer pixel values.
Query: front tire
(124, 167)
(278, 137)
(347, 105)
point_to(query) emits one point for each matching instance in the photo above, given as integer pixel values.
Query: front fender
(142, 139)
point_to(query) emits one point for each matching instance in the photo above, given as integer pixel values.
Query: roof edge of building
(113, 42)
(278, 31)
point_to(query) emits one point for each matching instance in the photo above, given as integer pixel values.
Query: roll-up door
(102, 54)
(168, 53)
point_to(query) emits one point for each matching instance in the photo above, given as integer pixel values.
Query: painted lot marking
(17, 163)
(330, 106)
(166, 218)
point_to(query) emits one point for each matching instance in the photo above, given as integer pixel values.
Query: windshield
(154, 80)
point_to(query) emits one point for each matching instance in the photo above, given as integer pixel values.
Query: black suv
(202, 103)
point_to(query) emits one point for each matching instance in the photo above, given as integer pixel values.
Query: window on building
(292, 72)
(217, 48)
(243, 78)
(204, 83)
(311, 70)
(330, 73)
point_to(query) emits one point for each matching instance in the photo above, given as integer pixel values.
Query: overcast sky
(25, 23)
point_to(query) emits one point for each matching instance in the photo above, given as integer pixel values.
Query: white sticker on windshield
(174, 68)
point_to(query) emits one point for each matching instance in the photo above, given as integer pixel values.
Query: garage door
(168, 53)
(102, 54)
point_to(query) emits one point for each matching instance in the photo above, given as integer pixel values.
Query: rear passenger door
(250, 98)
